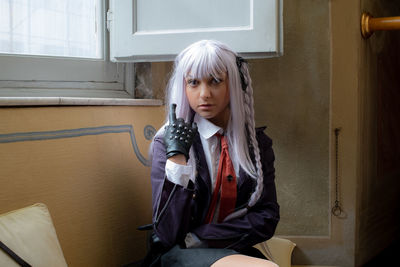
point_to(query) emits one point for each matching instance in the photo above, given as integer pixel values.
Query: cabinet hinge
(109, 19)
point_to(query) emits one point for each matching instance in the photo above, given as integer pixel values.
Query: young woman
(212, 171)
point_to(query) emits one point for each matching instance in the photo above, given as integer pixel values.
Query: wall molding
(149, 132)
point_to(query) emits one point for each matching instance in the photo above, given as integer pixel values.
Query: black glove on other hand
(179, 135)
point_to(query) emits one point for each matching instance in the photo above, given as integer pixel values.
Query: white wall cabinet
(157, 30)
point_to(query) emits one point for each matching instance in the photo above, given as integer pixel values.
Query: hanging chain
(337, 210)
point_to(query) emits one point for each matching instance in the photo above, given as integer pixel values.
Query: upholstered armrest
(29, 232)
(279, 250)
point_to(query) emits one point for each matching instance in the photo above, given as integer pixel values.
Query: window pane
(221, 13)
(70, 28)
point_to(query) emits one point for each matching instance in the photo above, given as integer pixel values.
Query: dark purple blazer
(178, 210)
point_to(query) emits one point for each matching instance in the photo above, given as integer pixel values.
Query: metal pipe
(369, 24)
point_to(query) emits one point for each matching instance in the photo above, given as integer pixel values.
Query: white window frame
(48, 76)
(261, 38)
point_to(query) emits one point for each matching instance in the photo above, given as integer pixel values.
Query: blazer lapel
(202, 168)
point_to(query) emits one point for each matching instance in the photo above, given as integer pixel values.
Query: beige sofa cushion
(279, 250)
(30, 233)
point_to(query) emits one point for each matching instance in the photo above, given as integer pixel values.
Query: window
(62, 47)
(141, 32)
(51, 28)
(58, 48)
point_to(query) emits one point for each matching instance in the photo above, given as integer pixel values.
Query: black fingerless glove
(179, 135)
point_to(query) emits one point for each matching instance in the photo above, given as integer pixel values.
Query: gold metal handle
(369, 24)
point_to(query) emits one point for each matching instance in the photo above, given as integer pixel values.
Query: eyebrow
(220, 76)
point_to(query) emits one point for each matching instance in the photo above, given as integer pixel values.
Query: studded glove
(179, 135)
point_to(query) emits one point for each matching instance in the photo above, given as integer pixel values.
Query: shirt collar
(206, 128)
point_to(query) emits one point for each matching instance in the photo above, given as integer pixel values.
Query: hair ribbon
(239, 62)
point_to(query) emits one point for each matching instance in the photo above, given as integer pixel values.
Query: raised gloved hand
(179, 135)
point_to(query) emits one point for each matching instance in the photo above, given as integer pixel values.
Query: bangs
(203, 63)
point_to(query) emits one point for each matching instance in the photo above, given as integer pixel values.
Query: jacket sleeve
(259, 223)
(170, 200)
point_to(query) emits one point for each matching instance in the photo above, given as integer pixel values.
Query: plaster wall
(327, 34)
(89, 166)
(292, 98)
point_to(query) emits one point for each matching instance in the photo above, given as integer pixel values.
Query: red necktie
(226, 182)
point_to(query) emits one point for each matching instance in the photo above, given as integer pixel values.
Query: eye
(192, 82)
(215, 80)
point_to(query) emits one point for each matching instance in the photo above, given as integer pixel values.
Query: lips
(205, 106)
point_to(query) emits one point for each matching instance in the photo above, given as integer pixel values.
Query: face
(209, 97)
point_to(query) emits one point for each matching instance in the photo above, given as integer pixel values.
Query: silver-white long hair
(210, 57)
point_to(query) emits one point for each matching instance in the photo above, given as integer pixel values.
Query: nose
(205, 91)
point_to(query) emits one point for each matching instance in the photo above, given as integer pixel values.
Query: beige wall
(292, 98)
(303, 97)
(82, 163)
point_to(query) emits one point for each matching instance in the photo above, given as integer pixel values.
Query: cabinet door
(157, 30)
